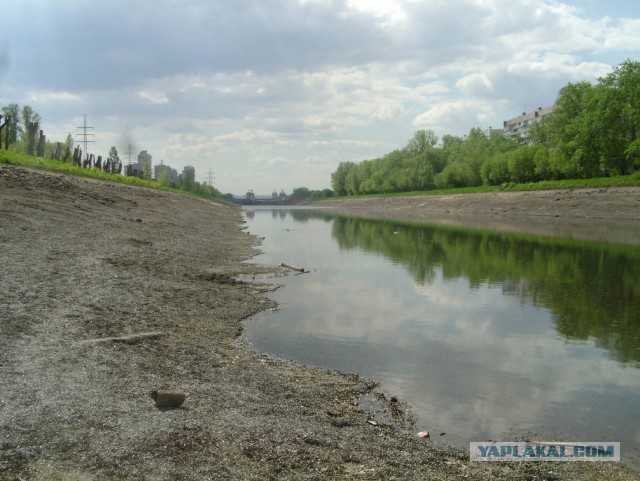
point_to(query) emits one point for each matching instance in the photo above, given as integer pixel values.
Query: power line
(129, 154)
(84, 134)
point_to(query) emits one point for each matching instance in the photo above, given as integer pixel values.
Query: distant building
(188, 178)
(491, 131)
(518, 128)
(172, 174)
(138, 169)
(144, 161)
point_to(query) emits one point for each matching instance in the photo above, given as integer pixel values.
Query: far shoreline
(608, 215)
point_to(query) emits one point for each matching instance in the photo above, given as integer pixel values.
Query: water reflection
(485, 335)
(592, 291)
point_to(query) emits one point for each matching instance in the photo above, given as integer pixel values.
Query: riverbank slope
(86, 263)
(609, 214)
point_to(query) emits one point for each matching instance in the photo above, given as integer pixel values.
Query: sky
(274, 94)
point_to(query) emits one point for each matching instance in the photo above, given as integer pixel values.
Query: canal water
(486, 336)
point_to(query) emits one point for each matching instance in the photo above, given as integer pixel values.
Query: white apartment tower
(518, 128)
(144, 158)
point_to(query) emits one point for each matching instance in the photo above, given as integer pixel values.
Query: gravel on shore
(110, 292)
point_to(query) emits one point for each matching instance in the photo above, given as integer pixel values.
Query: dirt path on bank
(84, 262)
(609, 215)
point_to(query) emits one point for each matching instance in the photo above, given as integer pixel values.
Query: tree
(339, 177)
(29, 118)
(300, 193)
(113, 154)
(23, 126)
(12, 113)
(146, 170)
(594, 129)
(163, 175)
(495, 170)
(68, 148)
(620, 111)
(321, 194)
(422, 141)
(188, 178)
(567, 132)
(521, 164)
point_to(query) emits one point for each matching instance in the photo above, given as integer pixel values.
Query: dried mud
(86, 267)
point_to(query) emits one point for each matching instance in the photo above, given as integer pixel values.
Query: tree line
(592, 132)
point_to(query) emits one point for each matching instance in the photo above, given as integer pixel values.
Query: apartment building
(172, 174)
(144, 161)
(518, 128)
(491, 131)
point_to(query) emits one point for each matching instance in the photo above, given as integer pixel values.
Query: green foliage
(300, 193)
(411, 168)
(23, 126)
(321, 194)
(339, 178)
(187, 180)
(28, 117)
(593, 132)
(495, 170)
(304, 193)
(422, 141)
(163, 173)
(521, 164)
(68, 148)
(12, 111)
(113, 153)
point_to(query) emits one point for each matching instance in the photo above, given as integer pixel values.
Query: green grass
(23, 160)
(457, 190)
(631, 180)
(596, 182)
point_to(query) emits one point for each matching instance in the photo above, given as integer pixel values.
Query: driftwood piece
(128, 339)
(294, 268)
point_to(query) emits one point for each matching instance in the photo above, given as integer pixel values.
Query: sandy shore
(602, 215)
(85, 263)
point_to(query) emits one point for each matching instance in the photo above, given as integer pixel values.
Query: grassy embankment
(23, 160)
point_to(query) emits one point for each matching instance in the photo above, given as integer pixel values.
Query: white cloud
(475, 84)
(624, 37)
(52, 96)
(389, 13)
(448, 115)
(153, 97)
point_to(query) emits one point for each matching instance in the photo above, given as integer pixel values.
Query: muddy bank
(111, 292)
(602, 215)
